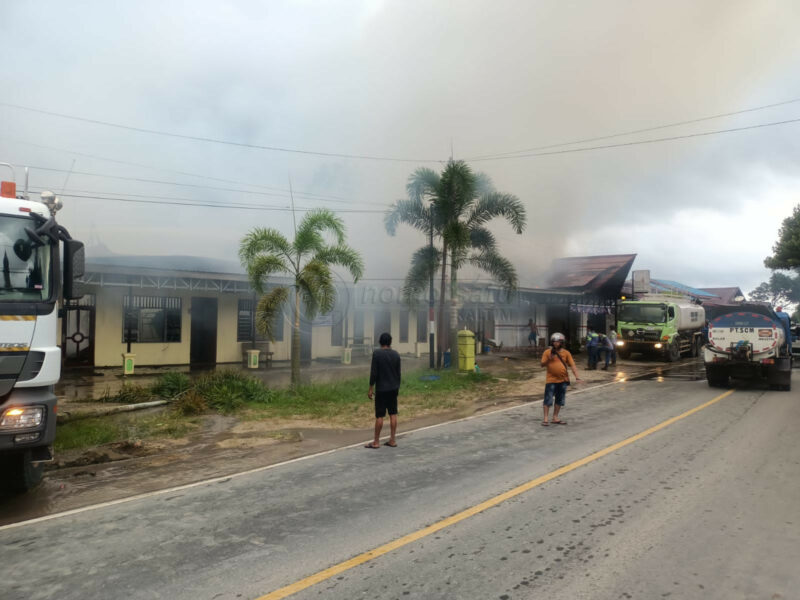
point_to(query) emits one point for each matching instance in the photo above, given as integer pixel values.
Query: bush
(227, 391)
(132, 393)
(189, 402)
(172, 384)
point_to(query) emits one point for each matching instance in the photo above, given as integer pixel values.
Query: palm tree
(307, 261)
(455, 206)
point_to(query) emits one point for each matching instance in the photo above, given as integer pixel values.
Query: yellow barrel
(466, 350)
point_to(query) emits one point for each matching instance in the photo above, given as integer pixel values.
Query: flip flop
(545, 424)
(371, 447)
(560, 422)
(390, 445)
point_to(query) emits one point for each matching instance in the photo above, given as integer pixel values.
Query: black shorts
(385, 401)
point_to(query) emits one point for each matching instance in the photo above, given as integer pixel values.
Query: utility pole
(431, 323)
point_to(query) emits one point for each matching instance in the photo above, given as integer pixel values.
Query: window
(337, 328)
(151, 319)
(358, 327)
(244, 323)
(422, 325)
(403, 326)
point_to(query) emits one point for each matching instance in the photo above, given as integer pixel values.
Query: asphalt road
(706, 507)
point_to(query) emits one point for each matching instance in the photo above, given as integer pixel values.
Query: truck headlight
(22, 417)
(620, 343)
(659, 345)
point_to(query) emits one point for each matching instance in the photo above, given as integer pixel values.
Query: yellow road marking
(321, 576)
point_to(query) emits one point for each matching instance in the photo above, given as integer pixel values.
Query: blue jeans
(557, 391)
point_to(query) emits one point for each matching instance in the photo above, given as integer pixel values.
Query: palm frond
(260, 267)
(482, 239)
(497, 204)
(315, 283)
(268, 307)
(424, 263)
(310, 233)
(342, 256)
(498, 267)
(456, 189)
(263, 240)
(422, 184)
(412, 212)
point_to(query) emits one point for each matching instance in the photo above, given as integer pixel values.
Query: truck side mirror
(671, 312)
(74, 266)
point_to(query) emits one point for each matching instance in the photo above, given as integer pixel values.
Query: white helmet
(557, 337)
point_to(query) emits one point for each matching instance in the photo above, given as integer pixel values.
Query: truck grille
(640, 335)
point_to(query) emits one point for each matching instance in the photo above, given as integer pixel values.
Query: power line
(191, 185)
(154, 168)
(237, 206)
(209, 140)
(635, 131)
(639, 142)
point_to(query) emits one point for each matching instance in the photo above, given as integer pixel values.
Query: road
(703, 506)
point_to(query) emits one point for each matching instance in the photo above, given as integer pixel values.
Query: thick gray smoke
(415, 80)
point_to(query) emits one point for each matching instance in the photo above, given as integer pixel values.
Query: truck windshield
(26, 265)
(643, 313)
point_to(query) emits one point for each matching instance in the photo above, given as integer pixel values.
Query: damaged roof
(602, 275)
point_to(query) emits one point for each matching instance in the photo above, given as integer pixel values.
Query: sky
(415, 82)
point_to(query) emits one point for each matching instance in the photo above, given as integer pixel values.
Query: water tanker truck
(748, 342)
(664, 325)
(30, 359)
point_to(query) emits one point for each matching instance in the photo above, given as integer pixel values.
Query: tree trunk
(296, 340)
(441, 327)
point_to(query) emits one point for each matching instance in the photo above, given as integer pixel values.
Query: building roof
(602, 275)
(667, 285)
(192, 264)
(725, 294)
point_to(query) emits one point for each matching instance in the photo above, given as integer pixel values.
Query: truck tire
(19, 473)
(716, 378)
(624, 354)
(674, 351)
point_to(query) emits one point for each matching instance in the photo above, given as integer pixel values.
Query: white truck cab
(32, 284)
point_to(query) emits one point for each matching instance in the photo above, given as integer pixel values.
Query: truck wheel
(624, 354)
(674, 351)
(716, 378)
(19, 474)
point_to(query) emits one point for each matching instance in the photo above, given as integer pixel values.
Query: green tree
(455, 206)
(781, 289)
(787, 248)
(307, 261)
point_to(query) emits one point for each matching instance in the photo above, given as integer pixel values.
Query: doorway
(203, 344)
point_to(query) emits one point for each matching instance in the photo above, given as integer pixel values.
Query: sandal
(390, 444)
(559, 422)
(545, 424)
(371, 447)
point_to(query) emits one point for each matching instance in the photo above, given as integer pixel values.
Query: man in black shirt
(384, 377)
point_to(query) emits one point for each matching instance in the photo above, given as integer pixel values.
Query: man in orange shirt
(556, 359)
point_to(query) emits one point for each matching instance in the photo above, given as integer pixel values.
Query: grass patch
(86, 433)
(345, 402)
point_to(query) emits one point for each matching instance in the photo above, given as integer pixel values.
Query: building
(187, 310)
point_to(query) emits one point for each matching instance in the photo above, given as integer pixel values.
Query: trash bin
(466, 350)
(446, 359)
(347, 356)
(128, 361)
(252, 358)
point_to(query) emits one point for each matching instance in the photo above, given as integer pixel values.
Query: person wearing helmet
(556, 360)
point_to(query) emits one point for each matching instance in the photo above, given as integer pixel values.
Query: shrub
(226, 391)
(189, 402)
(171, 384)
(131, 393)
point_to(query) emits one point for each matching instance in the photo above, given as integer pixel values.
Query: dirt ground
(226, 444)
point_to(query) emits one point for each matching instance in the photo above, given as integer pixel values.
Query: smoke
(416, 80)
